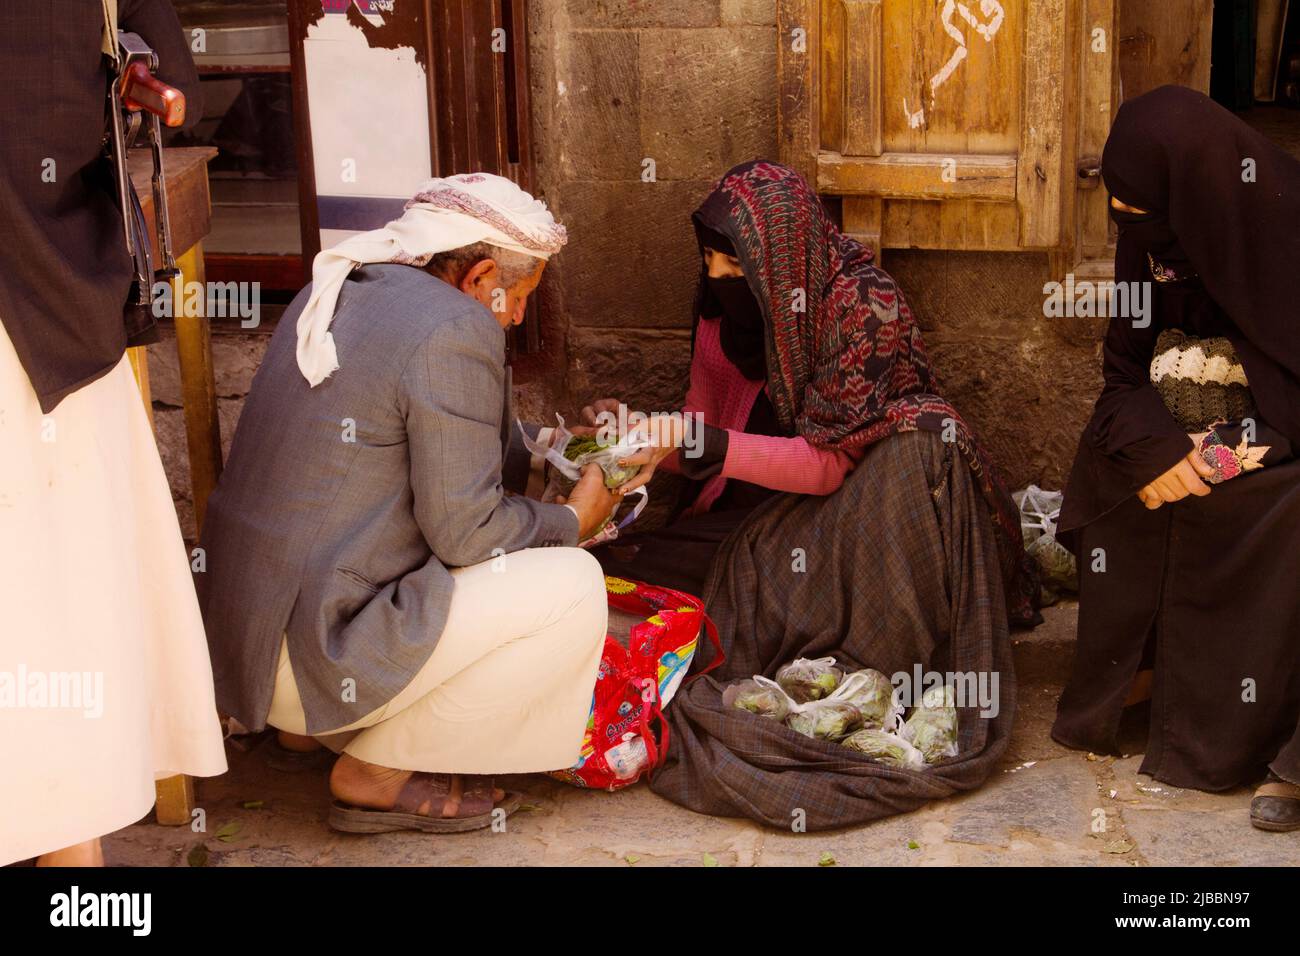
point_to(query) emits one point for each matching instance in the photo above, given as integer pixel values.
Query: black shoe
(1276, 806)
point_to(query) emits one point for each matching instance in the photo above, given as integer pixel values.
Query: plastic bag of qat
(565, 471)
(887, 748)
(825, 719)
(1039, 511)
(872, 693)
(759, 695)
(822, 719)
(932, 727)
(806, 679)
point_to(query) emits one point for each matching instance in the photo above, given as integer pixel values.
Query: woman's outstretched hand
(665, 434)
(1179, 481)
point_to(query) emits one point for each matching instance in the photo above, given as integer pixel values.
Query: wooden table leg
(174, 796)
(174, 800)
(139, 357)
(198, 386)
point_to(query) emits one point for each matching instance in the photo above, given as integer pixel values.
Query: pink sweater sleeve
(725, 397)
(786, 464)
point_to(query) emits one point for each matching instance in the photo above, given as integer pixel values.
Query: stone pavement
(1039, 808)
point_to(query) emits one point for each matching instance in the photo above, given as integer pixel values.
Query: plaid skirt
(897, 568)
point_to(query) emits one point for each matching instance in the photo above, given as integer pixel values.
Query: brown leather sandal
(1276, 806)
(421, 804)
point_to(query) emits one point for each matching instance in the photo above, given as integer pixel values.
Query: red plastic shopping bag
(626, 733)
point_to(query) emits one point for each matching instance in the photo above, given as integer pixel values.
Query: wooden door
(950, 125)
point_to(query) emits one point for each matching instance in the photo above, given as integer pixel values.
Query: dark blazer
(343, 506)
(64, 270)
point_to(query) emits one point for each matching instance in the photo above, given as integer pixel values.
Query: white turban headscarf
(445, 214)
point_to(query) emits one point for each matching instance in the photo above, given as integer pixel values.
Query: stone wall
(235, 358)
(688, 85)
(1026, 383)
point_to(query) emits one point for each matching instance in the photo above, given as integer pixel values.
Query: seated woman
(1185, 496)
(838, 504)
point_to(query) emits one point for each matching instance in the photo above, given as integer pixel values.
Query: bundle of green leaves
(825, 720)
(805, 679)
(932, 727)
(762, 699)
(583, 449)
(884, 747)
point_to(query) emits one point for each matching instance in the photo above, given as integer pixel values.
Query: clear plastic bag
(932, 727)
(565, 472)
(886, 748)
(872, 693)
(760, 696)
(806, 679)
(824, 719)
(1039, 511)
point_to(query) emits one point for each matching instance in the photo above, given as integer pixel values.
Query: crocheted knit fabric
(1201, 380)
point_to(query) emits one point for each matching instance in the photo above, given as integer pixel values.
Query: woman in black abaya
(1184, 499)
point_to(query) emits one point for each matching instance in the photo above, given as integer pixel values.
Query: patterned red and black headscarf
(846, 363)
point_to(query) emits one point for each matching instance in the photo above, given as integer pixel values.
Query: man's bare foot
(90, 853)
(298, 743)
(372, 787)
(1141, 689)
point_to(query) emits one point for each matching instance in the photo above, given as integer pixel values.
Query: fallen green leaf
(253, 804)
(631, 858)
(528, 807)
(826, 859)
(913, 845)
(1118, 846)
(709, 859)
(227, 833)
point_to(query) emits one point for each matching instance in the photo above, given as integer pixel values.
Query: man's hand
(592, 500)
(591, 413)
(1178, 482)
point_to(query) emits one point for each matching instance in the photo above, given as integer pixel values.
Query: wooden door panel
(948, 89)
(919, 175)
(1099, 93)
(1041, 171)
(951, 113)
(954, 224)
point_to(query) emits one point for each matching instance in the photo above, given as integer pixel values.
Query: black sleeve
(158, 26)
(712, 452)
(1132, 437)
(1261, 435)
(1131, 425)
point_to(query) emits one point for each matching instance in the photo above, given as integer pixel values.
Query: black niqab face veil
(1221, 206)
(743, 332)
(1147, 234)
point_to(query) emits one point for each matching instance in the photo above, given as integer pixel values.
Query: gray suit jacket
(342, 506)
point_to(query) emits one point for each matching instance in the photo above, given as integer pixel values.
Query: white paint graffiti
(993, 14)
